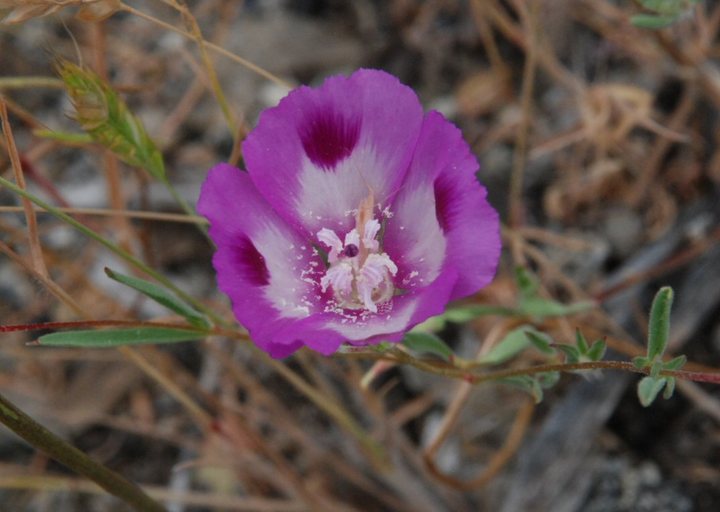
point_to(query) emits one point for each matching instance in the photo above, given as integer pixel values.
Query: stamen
(359, 274)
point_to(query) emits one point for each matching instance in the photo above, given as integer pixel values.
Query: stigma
(359, 274)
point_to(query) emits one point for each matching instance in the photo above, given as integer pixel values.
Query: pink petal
(441, 217)
(321, 151)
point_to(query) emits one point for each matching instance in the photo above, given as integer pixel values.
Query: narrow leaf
(526, 383)
(648, 389)
(541, 341)
(466, 313)
(669, 388)
(512, 344)
(461, 315)
(597, 351)
(118, 337)
(526, 282)
(659, 324)
(572, 354)
(67, 137)
(161, 296)
(539, 307)
(675, 363)
(581, 342)
(652, 21)
(427, 343)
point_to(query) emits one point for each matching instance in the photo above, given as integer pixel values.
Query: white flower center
(358, 273)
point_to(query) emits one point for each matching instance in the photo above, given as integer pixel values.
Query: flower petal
(321, 151)
(269, 272)
(441, 217)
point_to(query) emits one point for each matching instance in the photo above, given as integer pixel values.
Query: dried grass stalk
(18, 11)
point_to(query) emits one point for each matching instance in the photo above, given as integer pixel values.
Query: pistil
(359, 273)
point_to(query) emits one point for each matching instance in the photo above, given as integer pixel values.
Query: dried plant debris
(18, 11)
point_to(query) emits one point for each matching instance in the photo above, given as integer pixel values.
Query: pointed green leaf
(659, 324)
(666, 6)
(118, 337)
(675, 363)
(581, 342)
(426, 343)
(540, 341)
(539, 307)
(68, 137)
(526, 282)
(512, 344)
(466, 313)
(527, 384)
(597, 350)
(572, 354)
(652, 21)
(161, 296)
(648, 389)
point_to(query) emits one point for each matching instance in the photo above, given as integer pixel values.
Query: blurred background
(598, 142)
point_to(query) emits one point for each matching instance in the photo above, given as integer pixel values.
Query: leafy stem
(114, 248)
(454, 371)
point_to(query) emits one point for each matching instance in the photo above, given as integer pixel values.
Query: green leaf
(540, 341)
(548, 379)
(572, 354)
(67, 137)
(527, 384)
(426, 343)
(539, 307)
(466, 313)
(667, 6)
(648, 389)
(675, 363)
(512, 344)
(581, 342)
(161, 296)
(659, 324)
(640, 362)
(526, 282)
(118, 337)
(432, 324)
(669, 388)
(652, 21)
(597, 351)
(461, 315)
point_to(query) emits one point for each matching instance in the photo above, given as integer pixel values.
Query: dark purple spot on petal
(351, 250)
(250, 263)
(329, 138)
(445, 203)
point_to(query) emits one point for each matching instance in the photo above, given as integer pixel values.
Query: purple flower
(358, 218)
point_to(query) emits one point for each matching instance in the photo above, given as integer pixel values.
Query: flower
(358, 218)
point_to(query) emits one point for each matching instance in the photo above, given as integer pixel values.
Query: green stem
(187, 208)
(22, 82)
(114, 248)
(63, 452)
